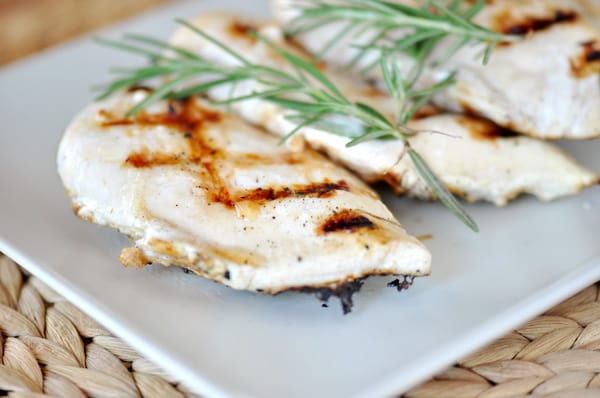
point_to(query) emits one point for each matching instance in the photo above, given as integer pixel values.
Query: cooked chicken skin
(545, 85)
(194, 187)
(476, 161)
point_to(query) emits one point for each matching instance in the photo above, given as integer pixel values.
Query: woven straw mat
(50, 348)
(27, 26)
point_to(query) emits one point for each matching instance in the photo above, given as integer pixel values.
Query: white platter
(528, 257)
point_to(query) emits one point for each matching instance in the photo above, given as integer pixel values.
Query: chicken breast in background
(193, 187)
(484, 161)
(476, 162)
(592, 11)
(545, 85)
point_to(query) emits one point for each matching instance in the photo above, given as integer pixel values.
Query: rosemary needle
(393, 28)
(412, 30)
(310, 97)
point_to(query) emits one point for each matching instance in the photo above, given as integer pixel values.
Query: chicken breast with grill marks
(194, 187)
(474, 159)
(545, 85)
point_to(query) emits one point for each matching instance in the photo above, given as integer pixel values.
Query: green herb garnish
(311, 98)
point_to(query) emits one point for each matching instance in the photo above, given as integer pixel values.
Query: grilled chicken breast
(194, 187)
(592, 11)
(545, 85)
(473, 159)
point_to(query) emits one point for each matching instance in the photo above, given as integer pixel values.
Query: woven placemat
(50, 348)
(27, 26)
(555, 355)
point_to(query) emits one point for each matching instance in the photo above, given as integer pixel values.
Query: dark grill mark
(467, 109)
(482, 129)
(243, 29)
(218, 192)
(426, 111)
(189, 118)
(346, 220)
(592, 55)
(324, 189)
(587, 63)
(145, 159)
(265, 194)
(185, 116)
(251, 159)
(315, 190)
(139, 87)
(534, 24)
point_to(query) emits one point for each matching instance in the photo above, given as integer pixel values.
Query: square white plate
(528, 257)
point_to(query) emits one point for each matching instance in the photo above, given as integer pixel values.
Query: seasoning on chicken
(194, 187)
(474, 158)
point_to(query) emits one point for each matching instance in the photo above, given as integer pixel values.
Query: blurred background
(27, 26)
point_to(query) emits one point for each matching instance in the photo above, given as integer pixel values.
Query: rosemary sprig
(392, 28)
(310, 97)
(414, 31)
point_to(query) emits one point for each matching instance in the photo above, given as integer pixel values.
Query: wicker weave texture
(49, 348)
(554, 355)
(27, 26)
